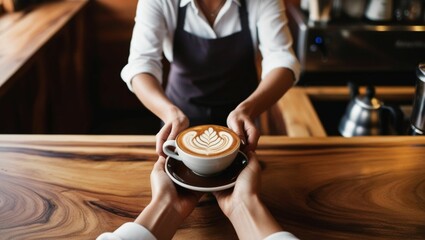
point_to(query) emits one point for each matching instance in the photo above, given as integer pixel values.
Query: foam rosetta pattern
(208, 142)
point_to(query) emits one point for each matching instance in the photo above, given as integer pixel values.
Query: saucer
(183, 176)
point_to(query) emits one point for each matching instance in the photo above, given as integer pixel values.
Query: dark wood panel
(117, 109)
(43, 70)
(113, 26)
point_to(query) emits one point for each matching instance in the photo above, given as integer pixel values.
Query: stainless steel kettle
(368, 116)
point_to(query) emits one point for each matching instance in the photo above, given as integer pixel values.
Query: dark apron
(210, 77)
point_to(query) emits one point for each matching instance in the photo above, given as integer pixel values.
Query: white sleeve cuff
(136, 67)
(281, 236)
(282, 59)
(128, 231)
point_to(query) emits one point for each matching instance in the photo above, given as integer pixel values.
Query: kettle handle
(354, 89)
(397, 116)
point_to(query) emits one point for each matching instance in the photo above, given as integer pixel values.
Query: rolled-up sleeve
(275, 40)
(128, 231)
(146, 43)
(281, 236)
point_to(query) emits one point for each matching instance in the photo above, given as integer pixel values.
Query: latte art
(209, 142)
(204, 149)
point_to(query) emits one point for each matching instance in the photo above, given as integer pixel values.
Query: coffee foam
(208, 141)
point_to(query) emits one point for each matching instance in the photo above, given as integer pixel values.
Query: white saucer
(184, 177)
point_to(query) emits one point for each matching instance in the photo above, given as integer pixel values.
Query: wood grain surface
(76, 187)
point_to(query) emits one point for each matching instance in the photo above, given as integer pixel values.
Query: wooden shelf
(298, 114)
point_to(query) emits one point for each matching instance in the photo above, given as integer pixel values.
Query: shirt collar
(185, 2)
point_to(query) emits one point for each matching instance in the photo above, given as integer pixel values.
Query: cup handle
(166, 149)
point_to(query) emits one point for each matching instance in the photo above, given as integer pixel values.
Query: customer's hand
(244, 207)
(244, 126)
(169, 205)
(174, 123)
(247, 187)
(165, 191)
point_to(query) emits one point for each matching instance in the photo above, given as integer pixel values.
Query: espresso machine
(378, 42)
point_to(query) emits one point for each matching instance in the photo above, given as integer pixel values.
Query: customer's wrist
(244, 205)
(252, 220)
(160, 215)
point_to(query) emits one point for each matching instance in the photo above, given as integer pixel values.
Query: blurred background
(60, 61)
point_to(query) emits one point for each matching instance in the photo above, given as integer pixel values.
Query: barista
(212, 46)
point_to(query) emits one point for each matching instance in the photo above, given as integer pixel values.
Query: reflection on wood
(76, 187)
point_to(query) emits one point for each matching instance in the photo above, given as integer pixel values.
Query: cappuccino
(205, 149)
(208, 141)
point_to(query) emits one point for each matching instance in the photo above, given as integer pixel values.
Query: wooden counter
(76, 187)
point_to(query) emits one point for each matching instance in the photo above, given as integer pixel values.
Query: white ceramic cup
(205, 149)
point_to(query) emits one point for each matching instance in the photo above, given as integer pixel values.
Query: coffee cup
(204, 149)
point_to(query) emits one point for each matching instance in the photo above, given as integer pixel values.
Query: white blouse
(134, 231)
(156, 21)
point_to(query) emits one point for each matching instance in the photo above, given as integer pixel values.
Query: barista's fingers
(170, 130)
(253, 135)
(161, 137)
(238, 128)
(177, 125)
(173, 133)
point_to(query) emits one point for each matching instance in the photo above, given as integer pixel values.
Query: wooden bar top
(76, 187)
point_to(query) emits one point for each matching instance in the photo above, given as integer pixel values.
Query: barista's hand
(242, 123)
(174, 123)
